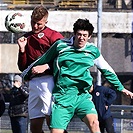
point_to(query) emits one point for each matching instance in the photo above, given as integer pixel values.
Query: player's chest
(76, 57)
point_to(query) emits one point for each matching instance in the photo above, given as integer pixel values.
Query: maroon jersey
(37, 44)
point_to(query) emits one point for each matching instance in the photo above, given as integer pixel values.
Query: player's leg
(62, 113)
(36, 106)
(48, 123)
(36, 125)
(46, 85)
(48, 120)
(58, 131)
(87, 113)
(102, 125)
(91, 121)
(109, 125)
(60, 120)
(65, 131)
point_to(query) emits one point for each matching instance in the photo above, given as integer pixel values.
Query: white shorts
(40, 96)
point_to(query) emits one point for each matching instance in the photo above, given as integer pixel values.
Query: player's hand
(106, 107)
(128, 93)
(17, 84)
(91, 89)
(22, 43)
(40, 69)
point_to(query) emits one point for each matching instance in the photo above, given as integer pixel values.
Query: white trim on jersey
(102, 64)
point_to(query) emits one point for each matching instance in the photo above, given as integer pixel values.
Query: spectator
(18, 108)
(103, 97)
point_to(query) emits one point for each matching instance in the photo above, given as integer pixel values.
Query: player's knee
(95, 124)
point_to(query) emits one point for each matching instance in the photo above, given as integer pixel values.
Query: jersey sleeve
(22, 61)
(22, 57)
(108, 72)
(45, 58)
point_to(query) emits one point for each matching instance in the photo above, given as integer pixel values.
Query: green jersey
(71, 67)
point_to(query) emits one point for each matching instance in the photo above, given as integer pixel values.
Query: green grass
(5, 131)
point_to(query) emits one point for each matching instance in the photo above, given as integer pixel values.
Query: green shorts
(66, 106)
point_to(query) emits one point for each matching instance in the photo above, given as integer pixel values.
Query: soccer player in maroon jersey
(32, 45)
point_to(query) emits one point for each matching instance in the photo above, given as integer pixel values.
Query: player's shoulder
(53, 34)
(63, 43)
(27, 34)
(48, 30)
(92, 47)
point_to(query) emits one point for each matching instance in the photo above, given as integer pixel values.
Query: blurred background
(116, 46)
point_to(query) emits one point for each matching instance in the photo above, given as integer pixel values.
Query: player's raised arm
(22, 43)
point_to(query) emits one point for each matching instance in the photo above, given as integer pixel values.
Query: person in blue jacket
(103, 96)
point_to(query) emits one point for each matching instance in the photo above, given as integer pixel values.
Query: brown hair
(39, 12)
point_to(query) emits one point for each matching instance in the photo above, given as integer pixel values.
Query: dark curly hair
(83, 24)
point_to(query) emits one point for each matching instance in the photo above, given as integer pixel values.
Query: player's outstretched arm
(128, 93)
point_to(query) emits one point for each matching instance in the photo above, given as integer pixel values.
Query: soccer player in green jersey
(72, 60)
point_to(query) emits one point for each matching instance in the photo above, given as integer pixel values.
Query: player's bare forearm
(128, 93)
(40, 69)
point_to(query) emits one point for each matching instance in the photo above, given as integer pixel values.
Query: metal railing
(123, 118)
(122, 111)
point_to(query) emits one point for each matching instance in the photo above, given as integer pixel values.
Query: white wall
(112, 22)
(8, 58)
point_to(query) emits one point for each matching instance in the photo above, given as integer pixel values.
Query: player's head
(39, 18)
(83, 30)
(17, 81)
(83, 24)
